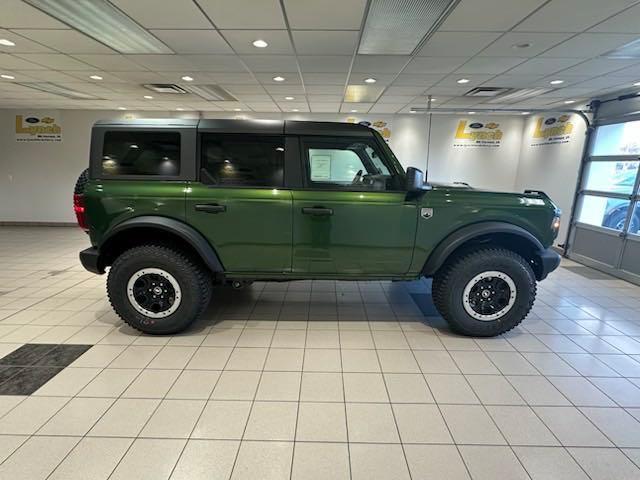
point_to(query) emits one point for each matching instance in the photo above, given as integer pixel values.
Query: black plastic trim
(549, 261)
(184, 231)
(447, 246)
(89, 258)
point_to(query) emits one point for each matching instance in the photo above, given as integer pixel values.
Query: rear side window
(141, 153)
(243, 161)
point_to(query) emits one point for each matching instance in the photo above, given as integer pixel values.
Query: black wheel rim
(489, 296)
(154, 293)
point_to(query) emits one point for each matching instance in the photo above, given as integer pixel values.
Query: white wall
(36, 179)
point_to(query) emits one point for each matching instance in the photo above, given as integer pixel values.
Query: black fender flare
(457, 238)
(171, 225)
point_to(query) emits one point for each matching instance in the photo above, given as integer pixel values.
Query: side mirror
(415, 179)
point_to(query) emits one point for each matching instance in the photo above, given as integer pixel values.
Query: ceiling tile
(325, 42)
(324, 63)
(457, 44)
(270, 63)
(215, 63)
(250, 14)
(193, 41)
(235, 78)
(434, 64)
(266, 107)
(474, 80)
(67, 41)
(410, 79)
(386, 107)
(625, 22)
(17, 14)
(11, 62)
(358, 78)
(112, 63)
(490, 64)
(325, 89)
(489, 15)
(543, 66)
(162, 62)
(395, 90)
(22, 45)
(571, 15)
(598, 66)
(325, 78)
(141, 77)
(514, 81)
(242, 89)
(359, 106)
(325, 107)
(588, 45)
(56, 61)
(374, 64)
(284, 90)
(172, 14)
(325, 15)
(506, 46)
(242, 41)
(267, 78)
(248, 97)
(324, 98)
(398, 99)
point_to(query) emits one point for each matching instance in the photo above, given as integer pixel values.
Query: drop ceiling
(314, 45)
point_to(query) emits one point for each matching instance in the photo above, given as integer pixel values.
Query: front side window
(239, 160)
(141, 153)
(350, 164)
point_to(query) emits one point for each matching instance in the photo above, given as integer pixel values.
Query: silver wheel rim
(469, 296)
(168, 278)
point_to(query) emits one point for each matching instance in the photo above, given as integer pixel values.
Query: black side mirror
(415, 179)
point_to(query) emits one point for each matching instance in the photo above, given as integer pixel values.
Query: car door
(240, 204)
(352, 216)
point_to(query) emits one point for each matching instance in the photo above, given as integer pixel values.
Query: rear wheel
(486, 292)
(158, 290)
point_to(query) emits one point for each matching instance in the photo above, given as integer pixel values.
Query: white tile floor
(324, 380)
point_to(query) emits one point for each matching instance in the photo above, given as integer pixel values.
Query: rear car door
(352, 217)
(239, 202)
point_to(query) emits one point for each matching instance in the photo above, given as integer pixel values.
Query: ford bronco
(176, 206)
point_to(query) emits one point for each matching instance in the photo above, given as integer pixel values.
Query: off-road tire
(81, 182)
(194, 281)
(452, 278)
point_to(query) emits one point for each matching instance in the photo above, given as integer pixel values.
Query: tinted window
(241, 160)
(141, 153)
(349, 164)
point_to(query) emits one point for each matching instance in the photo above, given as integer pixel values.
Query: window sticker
(320, 168)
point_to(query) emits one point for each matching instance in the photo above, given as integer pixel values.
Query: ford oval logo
(550, 121)
(32, 120)
(476, 125)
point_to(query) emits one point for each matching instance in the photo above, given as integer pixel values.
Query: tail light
(78, 207)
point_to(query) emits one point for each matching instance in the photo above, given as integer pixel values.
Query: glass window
(603, 211)
(141, 153)
(348, 164)
(634, 226)
(240, 160)
(614, 177)
(617, 139)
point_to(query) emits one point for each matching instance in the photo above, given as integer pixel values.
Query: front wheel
(158, 290)
(485, 292)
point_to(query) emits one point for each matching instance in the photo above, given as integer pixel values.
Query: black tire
(81, 182)
(450, 281)
(192, 278)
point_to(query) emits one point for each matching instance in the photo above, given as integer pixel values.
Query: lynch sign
(38, 128)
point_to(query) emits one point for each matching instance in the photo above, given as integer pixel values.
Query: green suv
(176, 206)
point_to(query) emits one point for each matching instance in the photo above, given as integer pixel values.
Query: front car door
(352, 216)
(240, 204)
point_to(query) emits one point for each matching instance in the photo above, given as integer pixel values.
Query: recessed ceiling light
(102, 21)
(471, 113)
(187, 78)
(95, 77)
(260, 44)
(556, 82)
(525, 113)
(464, 80)
(7, 43)
(278, 79)
(520, 46)
(122, 108)
(295, 110)
(569, 102)
(237, 109)
(354, 111)
(148, 97)
(412, 111)
(289, 98)
(8, 77)
(370, 80)
(179, 109)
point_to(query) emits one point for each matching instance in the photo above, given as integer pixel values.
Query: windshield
(396, 164)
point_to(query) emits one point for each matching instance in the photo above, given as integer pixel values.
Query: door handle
(317, 211)
(211, 208)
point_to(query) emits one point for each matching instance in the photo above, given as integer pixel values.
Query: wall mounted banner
(381, 126)
(477, 135)
(38, 128)
(552, 130)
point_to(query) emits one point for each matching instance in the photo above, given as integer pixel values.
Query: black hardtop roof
(274, 127)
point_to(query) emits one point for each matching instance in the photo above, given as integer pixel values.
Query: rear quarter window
(141, 153)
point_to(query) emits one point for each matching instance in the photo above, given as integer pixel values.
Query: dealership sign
(552, 131)
(477, 134)
(38, 128)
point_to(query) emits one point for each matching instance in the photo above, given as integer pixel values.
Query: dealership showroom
(319, 239)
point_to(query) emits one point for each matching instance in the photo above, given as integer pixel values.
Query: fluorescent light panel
(102, 21)
(629, 51)
(397, 27)
(362, 93)
(58, 90)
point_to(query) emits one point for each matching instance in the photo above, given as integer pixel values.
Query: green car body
(294, 231)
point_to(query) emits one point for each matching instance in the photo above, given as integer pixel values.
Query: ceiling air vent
(486, 92)
(164, 88)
